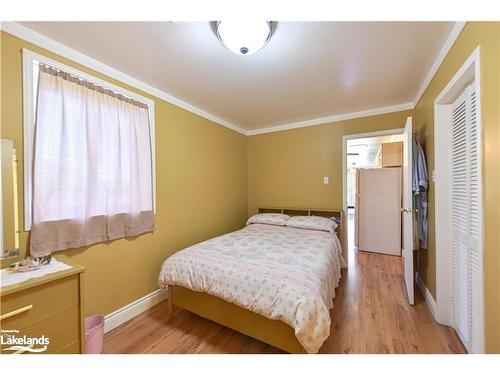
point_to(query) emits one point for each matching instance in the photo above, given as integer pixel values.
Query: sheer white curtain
(92, 175)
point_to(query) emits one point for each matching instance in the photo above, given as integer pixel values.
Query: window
(89, 159)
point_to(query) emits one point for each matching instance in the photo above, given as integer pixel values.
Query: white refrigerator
(378, 210)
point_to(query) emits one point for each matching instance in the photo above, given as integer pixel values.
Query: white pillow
(272, 219)
(312, 222)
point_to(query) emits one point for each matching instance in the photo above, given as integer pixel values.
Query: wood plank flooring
(370, 315)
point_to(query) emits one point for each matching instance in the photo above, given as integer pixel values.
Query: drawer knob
(16, 312)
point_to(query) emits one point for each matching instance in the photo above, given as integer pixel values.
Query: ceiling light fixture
(244, 37)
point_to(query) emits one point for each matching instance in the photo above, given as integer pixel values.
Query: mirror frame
(5, 262)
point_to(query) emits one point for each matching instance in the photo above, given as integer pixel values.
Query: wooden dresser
(50, 305)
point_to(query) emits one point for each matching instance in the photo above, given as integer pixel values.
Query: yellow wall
(487, 36)
(201, 190)
(286, 169)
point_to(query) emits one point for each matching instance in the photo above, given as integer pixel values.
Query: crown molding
(448, 44)
(445, 49)
(60, 49)
(333, 118)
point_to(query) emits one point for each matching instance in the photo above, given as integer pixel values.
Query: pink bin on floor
(94, 334)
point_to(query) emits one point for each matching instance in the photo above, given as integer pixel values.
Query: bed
(273, 283)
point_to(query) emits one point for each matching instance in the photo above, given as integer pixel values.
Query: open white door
(407, 218)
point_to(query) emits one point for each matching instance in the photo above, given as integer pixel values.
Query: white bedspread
(279, 272)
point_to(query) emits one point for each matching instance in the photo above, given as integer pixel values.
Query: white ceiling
(308, 70)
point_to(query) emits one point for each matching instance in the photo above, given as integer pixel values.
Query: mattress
(281, 273)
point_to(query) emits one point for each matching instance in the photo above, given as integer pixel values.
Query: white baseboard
(125, 313)
(429, 300)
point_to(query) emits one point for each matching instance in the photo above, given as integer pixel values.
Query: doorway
(360, 151)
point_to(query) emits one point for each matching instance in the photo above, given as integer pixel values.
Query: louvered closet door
(466, 221)
(459, 216)
(475, 231)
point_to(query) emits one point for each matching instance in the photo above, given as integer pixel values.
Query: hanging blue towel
(420, 185)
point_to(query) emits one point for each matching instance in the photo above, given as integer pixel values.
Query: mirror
(9, 231)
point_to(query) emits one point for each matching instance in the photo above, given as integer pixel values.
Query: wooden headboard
(309, 212)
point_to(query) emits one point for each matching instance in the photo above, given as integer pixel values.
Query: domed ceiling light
(244, 37)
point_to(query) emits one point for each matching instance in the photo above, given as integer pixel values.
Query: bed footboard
(272, 332)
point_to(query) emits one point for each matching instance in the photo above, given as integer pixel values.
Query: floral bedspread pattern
(279, 272)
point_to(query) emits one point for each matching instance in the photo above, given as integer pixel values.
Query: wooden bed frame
(272, 332)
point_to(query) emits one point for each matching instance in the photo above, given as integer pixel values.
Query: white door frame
(468, 73)
(345, 138)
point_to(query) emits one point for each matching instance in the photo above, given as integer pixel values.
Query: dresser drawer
(39, 303)
(61, 329)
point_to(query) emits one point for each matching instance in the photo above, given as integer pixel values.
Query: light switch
(433, 176)
(326, 180)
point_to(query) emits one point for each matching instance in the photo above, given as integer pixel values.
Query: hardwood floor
(370, 315)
